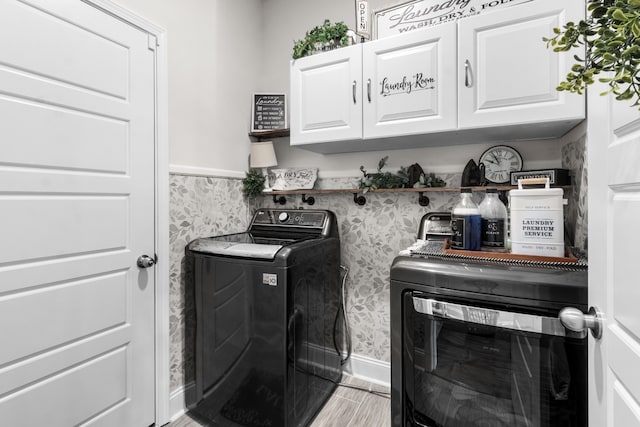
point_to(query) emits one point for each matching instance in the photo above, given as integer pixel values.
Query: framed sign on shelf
(268, 111)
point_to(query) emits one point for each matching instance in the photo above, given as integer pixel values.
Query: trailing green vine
(402, 179)
(611, 38)
(379, 179)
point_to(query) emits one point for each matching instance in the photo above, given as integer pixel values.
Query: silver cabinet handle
(353, 90)
(575, 320)
(468, 76)
(369, 89)
(145, 261)
(494, 318)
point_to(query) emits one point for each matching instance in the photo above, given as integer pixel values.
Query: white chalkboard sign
(268, 112)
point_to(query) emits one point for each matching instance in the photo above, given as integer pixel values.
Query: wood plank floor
(347, 407)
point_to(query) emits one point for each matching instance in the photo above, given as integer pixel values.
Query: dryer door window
(473, 366)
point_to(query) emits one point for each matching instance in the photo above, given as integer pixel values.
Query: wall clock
(499, 161)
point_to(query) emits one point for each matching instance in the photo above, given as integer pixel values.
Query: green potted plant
(253, 183)
(611, 38)
(325, 37)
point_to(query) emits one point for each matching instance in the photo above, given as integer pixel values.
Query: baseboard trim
(372, 370)
(178, 400)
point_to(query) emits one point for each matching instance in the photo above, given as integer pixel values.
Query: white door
(76, 211)
(326, 97)
(410, 83)
(507, 75)
(614, 233)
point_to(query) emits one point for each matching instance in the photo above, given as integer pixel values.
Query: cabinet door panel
(326, 97)
(511, 76)
(409, 83)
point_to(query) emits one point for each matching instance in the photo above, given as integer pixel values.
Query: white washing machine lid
(245, 245)
(245, 250)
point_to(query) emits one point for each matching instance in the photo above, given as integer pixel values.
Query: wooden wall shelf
(359, 195)
(268, 134)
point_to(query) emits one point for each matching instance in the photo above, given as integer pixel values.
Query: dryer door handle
(577, 321)
(494, 318)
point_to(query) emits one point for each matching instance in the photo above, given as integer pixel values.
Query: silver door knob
(575, 320)
(145, 261)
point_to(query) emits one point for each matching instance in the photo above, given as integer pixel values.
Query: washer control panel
(312, 222)
(290, 217)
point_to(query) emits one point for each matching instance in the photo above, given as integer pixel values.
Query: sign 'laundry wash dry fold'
(417, 14)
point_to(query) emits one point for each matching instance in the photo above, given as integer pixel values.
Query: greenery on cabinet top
(325, 37)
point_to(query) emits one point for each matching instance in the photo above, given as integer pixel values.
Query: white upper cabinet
(326, 96)
(484, 78)
(401, 85)
(507, 75)
(410, 83)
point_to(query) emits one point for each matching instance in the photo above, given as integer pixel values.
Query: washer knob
(283, 217)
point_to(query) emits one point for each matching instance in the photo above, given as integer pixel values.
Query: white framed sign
(268, 111)
(416, 14)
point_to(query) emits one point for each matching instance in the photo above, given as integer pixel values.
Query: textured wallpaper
(371, 236)
(199, 206)
(574, 158)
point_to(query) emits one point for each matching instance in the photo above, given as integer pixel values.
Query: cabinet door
(326, 97)
(507, 75)
(410, 83)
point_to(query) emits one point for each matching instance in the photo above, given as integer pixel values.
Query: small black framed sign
(268, 111)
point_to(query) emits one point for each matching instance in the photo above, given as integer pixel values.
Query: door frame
(599, 228)
(157, 34)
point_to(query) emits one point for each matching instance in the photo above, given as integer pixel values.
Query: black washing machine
(267, 305)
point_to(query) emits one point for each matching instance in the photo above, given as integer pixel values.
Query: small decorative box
(556, 176)
(537, 219)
